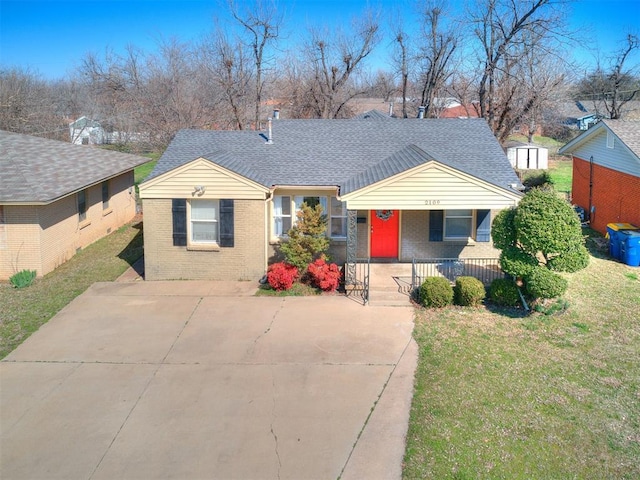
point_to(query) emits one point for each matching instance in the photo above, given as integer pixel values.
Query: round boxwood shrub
(543, 283)
(468, 292)
(436, 292)
(504, 291)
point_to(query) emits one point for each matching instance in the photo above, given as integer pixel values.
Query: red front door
(384, 233)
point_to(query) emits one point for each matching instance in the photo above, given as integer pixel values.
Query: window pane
(337, 207)
(285, 205)
(459, 213)
(311, 201)
(204, 232)
(338, 227)
(204, 209)
(458, 227)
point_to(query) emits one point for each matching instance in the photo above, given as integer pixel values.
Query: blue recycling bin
(630, 247)
(614, 231)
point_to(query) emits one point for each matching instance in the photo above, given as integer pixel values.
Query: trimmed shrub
(504, 291)
(23, 278)
(281, 276)
(542, 283)
(323, 275)
(570, 261)
(436, 292)
(468, 292)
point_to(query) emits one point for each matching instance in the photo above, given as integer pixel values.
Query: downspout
(590, 188)
(267, 211)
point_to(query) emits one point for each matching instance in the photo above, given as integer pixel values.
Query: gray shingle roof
(39, 170)
(628, 132)
(349, 153)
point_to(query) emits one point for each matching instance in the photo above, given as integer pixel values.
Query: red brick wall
(616, 196)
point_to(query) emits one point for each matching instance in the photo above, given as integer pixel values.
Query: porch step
(389, 298)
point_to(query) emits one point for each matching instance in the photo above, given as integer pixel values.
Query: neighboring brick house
(56, 198)
(219, 202)
(606, 172)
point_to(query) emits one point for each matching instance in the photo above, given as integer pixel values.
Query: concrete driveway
(201, 380)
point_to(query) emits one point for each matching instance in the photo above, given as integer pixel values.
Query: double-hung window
(338, 218)
(105, 195)
(82, 205)
(458, 224)
(282, 221)
(204, 221)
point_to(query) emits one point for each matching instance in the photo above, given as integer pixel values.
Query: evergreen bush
(468, 292)
(436, 292)
(504, 291)
(542, 283)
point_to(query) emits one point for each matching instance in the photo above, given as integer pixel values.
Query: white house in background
(526, 156)
(85, 131)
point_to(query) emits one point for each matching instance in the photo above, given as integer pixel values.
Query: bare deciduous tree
(336, 61)
(508, 31)
(28, 105)
(261, 23)
(437, 46)
(612, 86)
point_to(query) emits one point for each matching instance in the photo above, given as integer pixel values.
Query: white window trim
(274, 215)
(611, 140)
(472, 230)
(331, 217)
(296, 203)
(190, 221)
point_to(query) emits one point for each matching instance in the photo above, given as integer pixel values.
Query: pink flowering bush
(281, 276)
(323, 275)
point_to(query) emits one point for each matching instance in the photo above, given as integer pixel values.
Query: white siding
(617, 158)
(218, 183)
(433, 187)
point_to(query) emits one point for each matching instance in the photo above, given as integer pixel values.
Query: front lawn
(503, 395)
(24, 310)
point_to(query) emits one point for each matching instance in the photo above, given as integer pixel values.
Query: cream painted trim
(433, 164)
(144, 187)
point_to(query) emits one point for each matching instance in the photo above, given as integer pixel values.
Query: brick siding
(245, 261)
(615, 195)
(43, 237)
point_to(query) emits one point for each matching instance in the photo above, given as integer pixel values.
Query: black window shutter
(483, 226)
(436, 225)
(179, 215)
(226, 223)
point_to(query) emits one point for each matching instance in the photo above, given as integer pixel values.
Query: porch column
(352, 246)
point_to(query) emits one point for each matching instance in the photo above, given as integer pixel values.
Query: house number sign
(432, 202)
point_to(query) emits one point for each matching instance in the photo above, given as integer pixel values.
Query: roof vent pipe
(276, 114)
(421, 110)
(391, 109)
(269, 133)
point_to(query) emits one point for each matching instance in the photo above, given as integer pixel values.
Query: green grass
(552, 144)
(561, 172)
(24, 310)
(503, 395)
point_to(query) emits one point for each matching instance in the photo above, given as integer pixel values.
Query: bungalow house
(218, 203)
(56, 198)
(606, 172)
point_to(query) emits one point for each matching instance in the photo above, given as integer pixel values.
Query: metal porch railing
(357, 279)
(484, 269)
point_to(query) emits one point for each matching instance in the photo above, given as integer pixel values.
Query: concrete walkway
(194, 380)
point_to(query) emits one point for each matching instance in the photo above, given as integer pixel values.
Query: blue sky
(51, 37)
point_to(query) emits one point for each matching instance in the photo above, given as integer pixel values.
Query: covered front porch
(394, 283)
